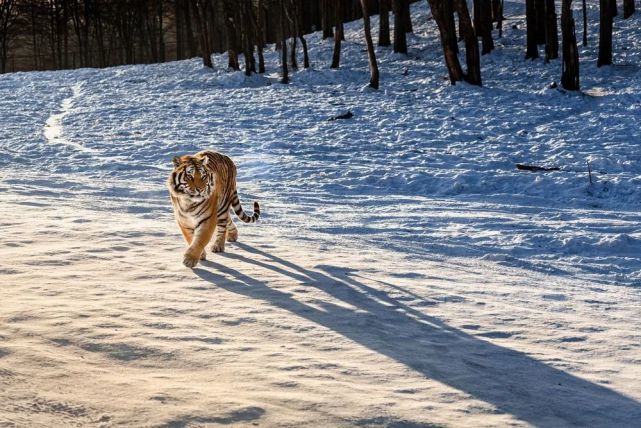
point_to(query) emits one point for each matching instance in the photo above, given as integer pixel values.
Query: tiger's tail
(238, 209)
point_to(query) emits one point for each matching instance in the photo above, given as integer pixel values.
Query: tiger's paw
(232, 236)
(189, 261)
(217, 247)
(203, 256)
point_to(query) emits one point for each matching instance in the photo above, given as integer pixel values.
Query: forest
(62, 34)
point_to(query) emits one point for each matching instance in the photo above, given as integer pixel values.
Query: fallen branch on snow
(535, 168)
(347, 115)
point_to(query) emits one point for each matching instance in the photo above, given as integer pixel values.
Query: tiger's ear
(176, 160)
(205, 160)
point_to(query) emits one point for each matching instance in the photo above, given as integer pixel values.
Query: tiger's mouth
(196, 193)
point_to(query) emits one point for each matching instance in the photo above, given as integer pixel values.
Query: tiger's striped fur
(203, 193)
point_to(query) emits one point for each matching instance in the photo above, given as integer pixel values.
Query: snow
(404, 272)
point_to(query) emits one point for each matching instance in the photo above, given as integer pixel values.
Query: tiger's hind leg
(218, 246)
(232, 230)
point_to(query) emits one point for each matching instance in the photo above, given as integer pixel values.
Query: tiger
(202, 188)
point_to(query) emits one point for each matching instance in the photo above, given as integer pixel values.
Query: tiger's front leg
(196, 250)
(218, 246)
(188, 235)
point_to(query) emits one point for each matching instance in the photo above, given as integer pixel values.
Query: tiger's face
(191, 177)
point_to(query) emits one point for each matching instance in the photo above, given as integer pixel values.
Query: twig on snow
(347, 115)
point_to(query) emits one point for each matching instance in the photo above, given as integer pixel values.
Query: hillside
(404, 272)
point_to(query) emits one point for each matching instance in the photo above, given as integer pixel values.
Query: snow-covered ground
(404, 272)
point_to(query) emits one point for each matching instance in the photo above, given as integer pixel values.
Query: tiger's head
(191, 176)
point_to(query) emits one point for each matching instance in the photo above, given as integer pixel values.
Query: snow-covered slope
(404, 273)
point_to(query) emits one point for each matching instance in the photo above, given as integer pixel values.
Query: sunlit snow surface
(417, 195)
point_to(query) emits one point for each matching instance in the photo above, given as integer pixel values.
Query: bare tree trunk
(532, 51)
(407, 17)
(497, 11)
(441, 11)
(260, 35)
(539, 7)
(246, 27)
(3, 56)
(400, 39)
(628, 8)
(297, 14)
(189, 31)
(161, 32)
(178, 19)
(473, 61)
(476, 16)
(65, 31)
(570, 65)
(499, 15)
(199, 16)
(231, 27)
(605, 33)
(103, 58)
(326, 17)
(292, 54)
(585, 24)
(303, 42)
(371, 54)
(282, 37)
(486, 26)
(551, 33)
(450, 22)
(383, 28)
(338, 35)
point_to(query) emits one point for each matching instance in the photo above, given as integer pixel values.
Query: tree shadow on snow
(512, 381)
(241, 415)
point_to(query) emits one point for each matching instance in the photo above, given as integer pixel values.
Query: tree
(383, 27)
(551, 33)
(338, 34)
(473, 61)
(247, 36)
(532, 50)
(497, 15)
(371, 55)
(585, 23)
(570, 64)
(189, 30)
(8, 16)
(282, 37)
(259, 30)
(230, 11)
(400, 23)
(628, 8)
(198, 7)
(442, 11)
(539, 17)
(605, 33)
(485, 28)
(406, 16)
(327, 18)
(297, 20)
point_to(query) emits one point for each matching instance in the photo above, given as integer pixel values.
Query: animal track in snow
(53, 130)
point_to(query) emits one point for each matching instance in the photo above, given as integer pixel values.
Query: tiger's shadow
(511, 381)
